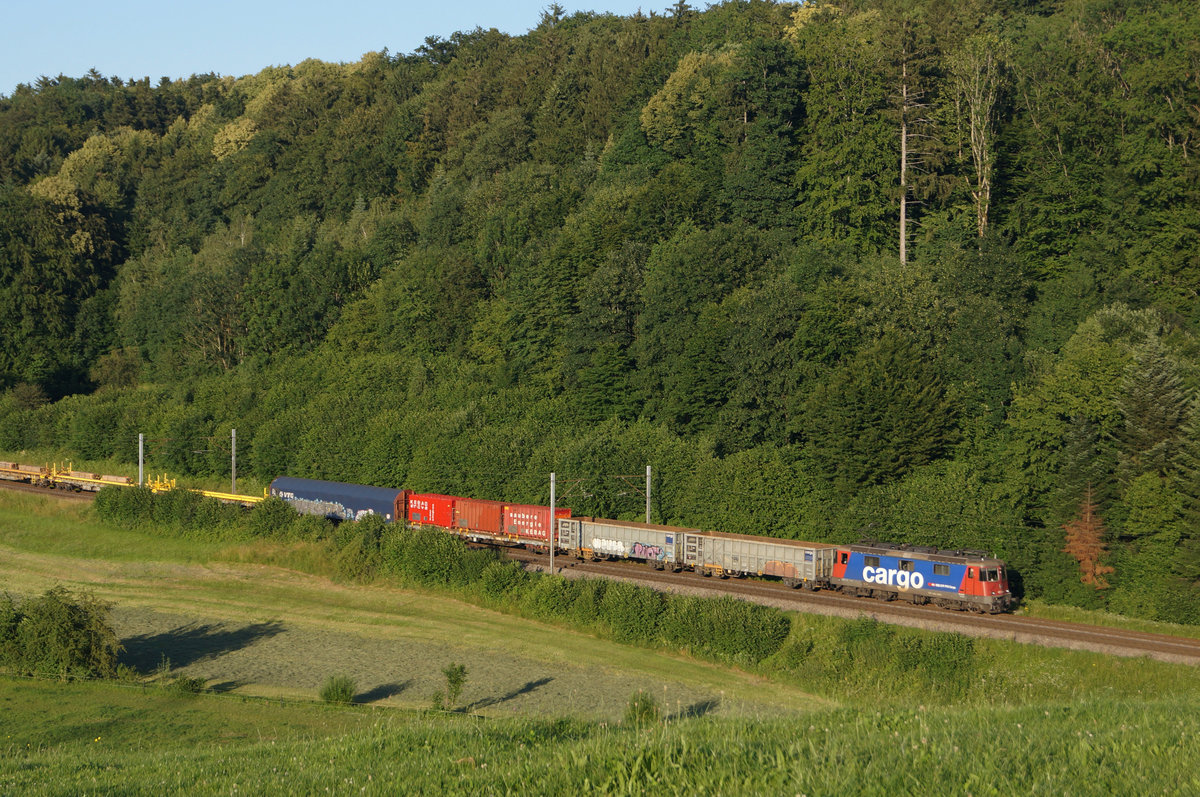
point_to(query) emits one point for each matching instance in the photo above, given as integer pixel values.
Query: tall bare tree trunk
(903, 162)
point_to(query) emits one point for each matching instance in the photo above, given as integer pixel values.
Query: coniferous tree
(1086, 465)
(1185, 478)
(1085, 542)
(1154, 406)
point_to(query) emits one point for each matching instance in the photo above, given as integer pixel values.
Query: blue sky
(138, 38)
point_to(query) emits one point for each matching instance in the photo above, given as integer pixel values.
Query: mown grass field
(542, 708)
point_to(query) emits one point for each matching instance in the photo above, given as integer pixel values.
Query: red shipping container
(530, 522)
(429, 509)
(475, 514)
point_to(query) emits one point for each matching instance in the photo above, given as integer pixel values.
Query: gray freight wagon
(597, 538)
(799, 564)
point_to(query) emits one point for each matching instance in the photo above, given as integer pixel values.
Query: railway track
(1029, 630)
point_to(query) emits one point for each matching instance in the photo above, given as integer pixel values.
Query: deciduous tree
(979, 78)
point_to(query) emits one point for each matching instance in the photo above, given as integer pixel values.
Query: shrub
(585, 609)
(502, 579)
(182, 509)
(549, 596)
(631, 612)
(865, 641)
(339, 689)
(430, 557)
(475, 561)
(743, 630)
(124, 506)
(58, 634)
(372, 529)
(107, 502)
(938, 659)
(312, 528)
(456, 678)
(641, 710)
(186, 685)
(176, 508)
(356, 558)
(9, 617)
(211, 514)
(271, 517)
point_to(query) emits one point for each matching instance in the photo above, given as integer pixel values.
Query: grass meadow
(542, 711)
(105, 738)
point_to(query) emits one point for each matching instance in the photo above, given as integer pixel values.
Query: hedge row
(192, 515)
(725, 629)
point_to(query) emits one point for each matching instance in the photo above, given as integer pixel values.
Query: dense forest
(920, 270)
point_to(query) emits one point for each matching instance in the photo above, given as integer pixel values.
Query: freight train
(952, 579)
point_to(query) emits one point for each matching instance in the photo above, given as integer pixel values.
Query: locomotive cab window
(970, 572)
(941, 570)
(905, 564)
(990, 574)
(871, 561)
(845, 557)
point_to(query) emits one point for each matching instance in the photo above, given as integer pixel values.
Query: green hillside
(913, 269)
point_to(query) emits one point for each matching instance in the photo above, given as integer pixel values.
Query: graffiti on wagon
(642, 551)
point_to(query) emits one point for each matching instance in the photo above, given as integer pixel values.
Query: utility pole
(141, 458)
(233, 470)
(647, 494)
(553, 523)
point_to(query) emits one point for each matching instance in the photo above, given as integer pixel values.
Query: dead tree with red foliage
(1085, 542)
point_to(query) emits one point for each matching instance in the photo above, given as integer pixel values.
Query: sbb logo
(904, 579)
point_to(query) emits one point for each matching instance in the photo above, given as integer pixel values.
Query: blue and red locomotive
(969, 580)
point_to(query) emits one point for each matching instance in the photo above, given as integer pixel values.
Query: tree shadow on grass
(698, 709)
(225, 686)
(491, 701)
(382, 692)
(191, 644)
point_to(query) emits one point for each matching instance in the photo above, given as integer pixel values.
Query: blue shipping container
(336, 500)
